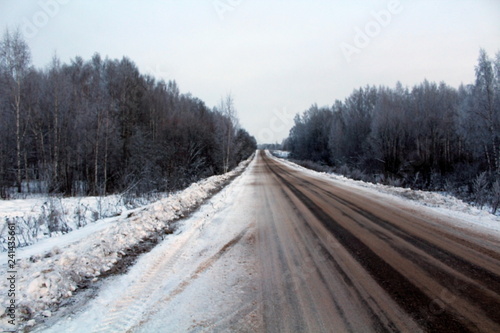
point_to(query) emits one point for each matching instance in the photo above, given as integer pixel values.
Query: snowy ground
(467, 216)
(43, 217)
(208, 256)
(51, 270)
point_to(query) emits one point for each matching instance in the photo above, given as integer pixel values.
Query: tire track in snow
(205, 265)
(128, 309)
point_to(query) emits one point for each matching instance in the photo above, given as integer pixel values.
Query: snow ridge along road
(173, 287)
(49, 274)
(288, 251)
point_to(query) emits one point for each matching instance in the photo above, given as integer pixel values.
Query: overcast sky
(275, 57)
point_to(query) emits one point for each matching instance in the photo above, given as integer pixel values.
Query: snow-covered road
(283, 250)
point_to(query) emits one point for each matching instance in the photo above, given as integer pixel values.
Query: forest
(99, 126)
(431, 136)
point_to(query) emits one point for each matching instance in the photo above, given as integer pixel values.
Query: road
(291, 252)
(356, 264)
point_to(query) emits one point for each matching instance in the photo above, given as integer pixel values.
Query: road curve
(333, 260)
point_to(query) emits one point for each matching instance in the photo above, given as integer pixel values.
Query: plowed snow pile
(45, 279)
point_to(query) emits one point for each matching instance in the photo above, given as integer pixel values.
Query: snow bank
(466, 215)
(45, 217)
(46, 278)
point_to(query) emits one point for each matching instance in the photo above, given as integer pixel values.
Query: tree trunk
(18, 136)
(26, 172)
(106, 139)
(488, 158)
(96, 154)
(56, 142)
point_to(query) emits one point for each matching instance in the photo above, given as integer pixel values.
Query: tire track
(476, 284)
(325, 292)
(127, 310)
(452, 260)
(412, 298)
(205, 265)
(405, 293)
(376, 322)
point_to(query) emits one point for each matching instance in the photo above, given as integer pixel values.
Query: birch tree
(15, 57)
(486, 110)
(227, 128)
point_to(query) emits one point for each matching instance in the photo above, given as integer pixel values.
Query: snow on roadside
(46, 217)
(196, 279)
(466, 215)
(46, 278)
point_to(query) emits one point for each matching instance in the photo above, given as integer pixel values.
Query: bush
(479, 188)
(495, 192)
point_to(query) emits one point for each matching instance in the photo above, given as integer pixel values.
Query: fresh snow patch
(48, 274)
(464, 214)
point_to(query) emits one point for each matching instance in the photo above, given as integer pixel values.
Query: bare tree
(15, 57)
(228, 129)
(389, 131)
(487, 111)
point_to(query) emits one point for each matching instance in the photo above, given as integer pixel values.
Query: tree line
(430, 136)
(100, 126)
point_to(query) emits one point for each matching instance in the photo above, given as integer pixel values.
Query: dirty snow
(48, 273)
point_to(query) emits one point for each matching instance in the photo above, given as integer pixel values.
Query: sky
(276, 58)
